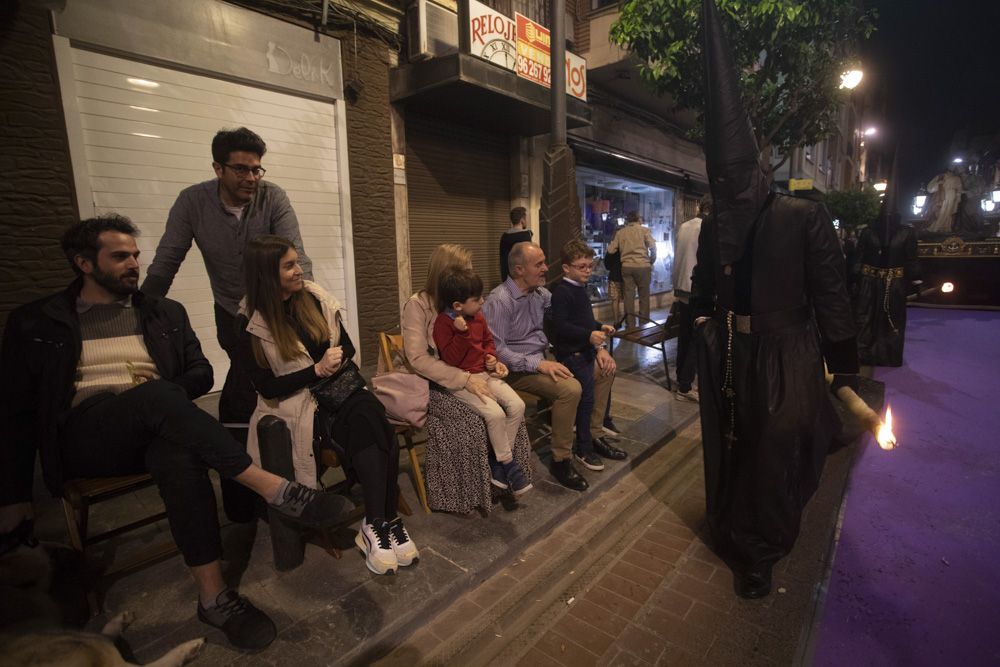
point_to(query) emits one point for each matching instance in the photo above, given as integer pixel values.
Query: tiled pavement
(653, 594)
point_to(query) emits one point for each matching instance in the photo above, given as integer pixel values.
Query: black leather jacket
(38, 362)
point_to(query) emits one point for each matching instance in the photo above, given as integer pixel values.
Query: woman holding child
(291, 335)
(458, 444)
(463, 339)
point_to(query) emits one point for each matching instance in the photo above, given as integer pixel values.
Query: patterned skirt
(456, 465)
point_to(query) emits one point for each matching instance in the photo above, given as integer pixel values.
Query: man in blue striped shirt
(515, 311)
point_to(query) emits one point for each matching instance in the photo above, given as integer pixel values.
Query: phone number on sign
(533, 70)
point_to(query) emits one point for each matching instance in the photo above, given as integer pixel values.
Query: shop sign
(533, 50)
(800, 184)
(492, 36)
(534, 55)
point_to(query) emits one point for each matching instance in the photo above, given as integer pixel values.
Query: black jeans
(236, 404)
(687, 359)
(155, 428)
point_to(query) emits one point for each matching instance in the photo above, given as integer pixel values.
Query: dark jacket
(38, 362)
(572, 321)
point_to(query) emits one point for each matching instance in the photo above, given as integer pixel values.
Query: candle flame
(886, 438)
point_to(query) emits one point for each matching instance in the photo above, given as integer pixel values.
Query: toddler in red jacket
(463, 340)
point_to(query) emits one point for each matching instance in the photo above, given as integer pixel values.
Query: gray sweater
(199, 215)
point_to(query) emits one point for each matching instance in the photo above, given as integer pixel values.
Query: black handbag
(331, 392)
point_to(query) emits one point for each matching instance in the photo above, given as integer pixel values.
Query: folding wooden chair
(390, 347)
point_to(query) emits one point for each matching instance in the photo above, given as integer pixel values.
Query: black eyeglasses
(243, 171)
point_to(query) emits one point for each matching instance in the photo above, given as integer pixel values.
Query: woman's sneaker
(404, 548)
(516, 479)
(245, 626)
(497, 476)
(376, 545)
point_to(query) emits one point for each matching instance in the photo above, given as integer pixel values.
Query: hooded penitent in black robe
(886, 268)
(771, 278)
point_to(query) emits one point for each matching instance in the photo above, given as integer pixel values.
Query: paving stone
(702, 590)
(600, 617)
(642, 643)
(565, 651)
(613, 602)
(630, 590)
(583, 633)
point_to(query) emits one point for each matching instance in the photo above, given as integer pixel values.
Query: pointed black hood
(739, 185)
(888, 216)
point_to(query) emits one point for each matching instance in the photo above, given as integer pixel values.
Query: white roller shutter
(139, 134)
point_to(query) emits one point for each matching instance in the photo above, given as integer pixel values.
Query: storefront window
(605, 200)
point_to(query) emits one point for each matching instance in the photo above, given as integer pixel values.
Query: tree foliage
(790, 54)
(854, 209)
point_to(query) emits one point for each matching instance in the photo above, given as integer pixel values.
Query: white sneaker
(689, 395)
(404, 548)
(376, 545)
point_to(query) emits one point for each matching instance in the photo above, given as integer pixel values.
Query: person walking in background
(685, 259)
(516, 234)
(613, 264)
(463, 339)
(638, 252)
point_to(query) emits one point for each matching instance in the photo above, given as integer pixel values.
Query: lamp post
(849, 80)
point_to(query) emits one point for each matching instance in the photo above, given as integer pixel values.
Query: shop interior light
(995, 196)
(987, 205)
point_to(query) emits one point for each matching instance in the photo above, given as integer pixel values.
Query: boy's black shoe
(245, 626)
(609, 451)
(566, 474)
(610, 428)
(590, 461)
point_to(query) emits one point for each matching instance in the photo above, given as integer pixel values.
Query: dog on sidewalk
(43, 592)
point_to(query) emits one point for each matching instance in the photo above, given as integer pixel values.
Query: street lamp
(851, 79)
(871, 131)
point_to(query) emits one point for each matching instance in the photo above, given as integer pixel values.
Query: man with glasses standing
(222, 215)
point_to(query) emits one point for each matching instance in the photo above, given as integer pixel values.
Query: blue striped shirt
(515, 318)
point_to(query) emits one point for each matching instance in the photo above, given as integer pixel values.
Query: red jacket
(464, 349)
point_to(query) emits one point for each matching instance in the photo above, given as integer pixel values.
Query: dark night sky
(937, 64)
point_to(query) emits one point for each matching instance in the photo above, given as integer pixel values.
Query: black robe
(884, 271)
(791, 280)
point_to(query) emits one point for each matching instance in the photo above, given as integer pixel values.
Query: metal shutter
(140, 134)
(458, 189)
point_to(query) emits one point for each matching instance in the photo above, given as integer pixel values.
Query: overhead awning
(643, 169)
(474, 92)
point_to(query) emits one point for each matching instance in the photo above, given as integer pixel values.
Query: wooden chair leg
(402, 506)
(73, 526)
(418, 477)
